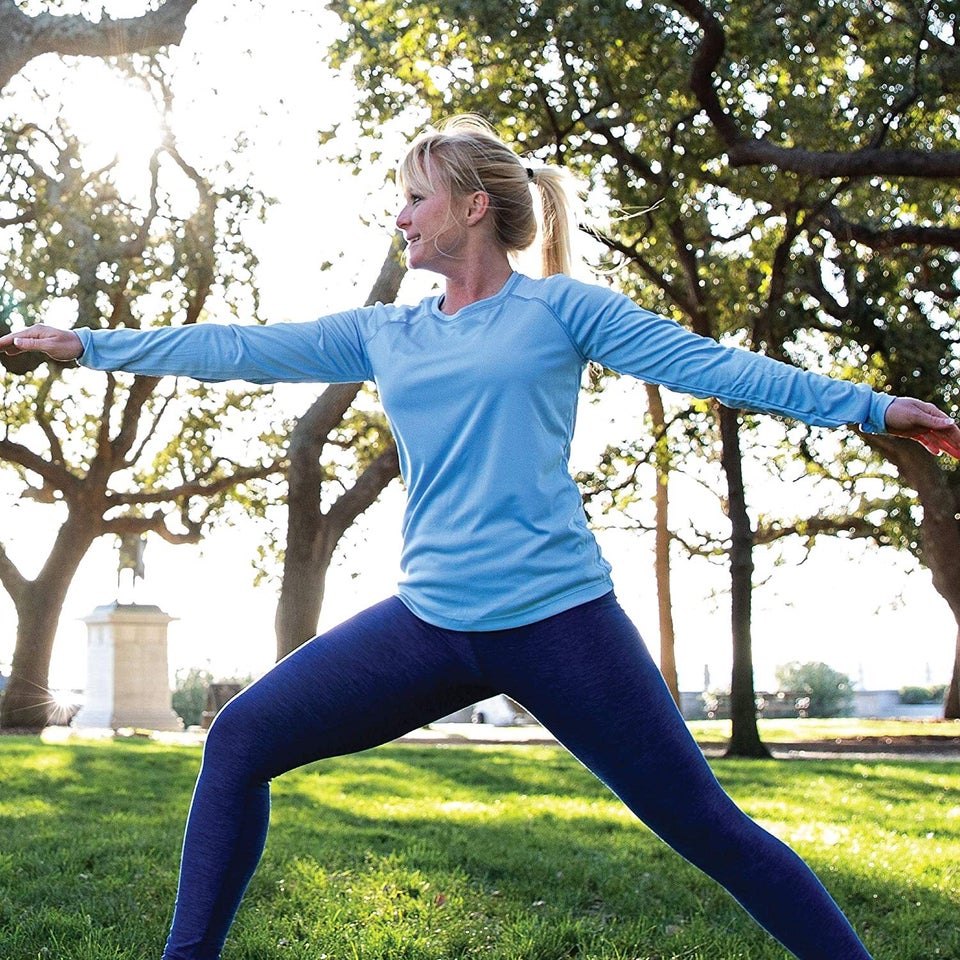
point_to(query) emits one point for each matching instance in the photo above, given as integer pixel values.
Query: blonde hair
(464, 154)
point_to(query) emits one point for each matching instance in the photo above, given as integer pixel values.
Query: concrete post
(128, 683)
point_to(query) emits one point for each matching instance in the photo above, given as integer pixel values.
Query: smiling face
(434, 236)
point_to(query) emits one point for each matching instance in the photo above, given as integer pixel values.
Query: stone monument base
(128, 684)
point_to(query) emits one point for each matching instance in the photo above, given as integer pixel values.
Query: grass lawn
(433, 853)
(840, 728)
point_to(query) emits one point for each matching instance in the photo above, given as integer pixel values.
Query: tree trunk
(302, 592)
(951, 704)
(308, 552)
(939, 495)
(312, 535)
(744, 737)
(668, 660)
(26, 700)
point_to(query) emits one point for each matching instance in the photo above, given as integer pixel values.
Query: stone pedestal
(128, 683)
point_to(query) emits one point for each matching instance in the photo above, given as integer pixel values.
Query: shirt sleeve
(611, 329)
(329, 350)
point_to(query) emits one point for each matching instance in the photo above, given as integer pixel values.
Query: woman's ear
(478, 203)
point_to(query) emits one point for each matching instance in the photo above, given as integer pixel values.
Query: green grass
(781, 731)
(435, 853)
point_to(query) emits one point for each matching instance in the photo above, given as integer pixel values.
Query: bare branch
(198, 487)
(14, 582)
(54, 475)
(26, 37)
(889, 239)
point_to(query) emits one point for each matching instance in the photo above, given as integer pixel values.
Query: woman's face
(434, 236)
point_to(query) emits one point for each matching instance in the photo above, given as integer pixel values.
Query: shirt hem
(486, 623)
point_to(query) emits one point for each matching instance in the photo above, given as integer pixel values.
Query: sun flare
(115, 119)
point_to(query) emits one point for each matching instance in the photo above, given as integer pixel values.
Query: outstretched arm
(925, 423)
(61, 345)
(328, 350)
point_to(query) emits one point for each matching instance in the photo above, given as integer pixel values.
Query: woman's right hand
(925, 423)
(63, 345)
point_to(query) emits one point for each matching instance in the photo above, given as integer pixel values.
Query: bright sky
(869, 613)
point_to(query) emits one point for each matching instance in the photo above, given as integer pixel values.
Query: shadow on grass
(460, 852)
(509, 822)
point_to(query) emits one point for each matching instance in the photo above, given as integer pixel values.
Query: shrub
(830, 692)
(190, 694)
(934, 694)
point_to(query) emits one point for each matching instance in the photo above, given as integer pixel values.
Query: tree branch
(14, 582)
(26, 37)
(199, 487)
(629, 251)
(744, 151)
(154, 523)
(856, 526)
(830, 164)
(53, 475)
(368, 486)
(888, 239)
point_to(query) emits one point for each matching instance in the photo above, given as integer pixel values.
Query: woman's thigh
(369, 680)
(588, 677)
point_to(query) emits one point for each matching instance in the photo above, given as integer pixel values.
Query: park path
(945, 748)
(938, 748)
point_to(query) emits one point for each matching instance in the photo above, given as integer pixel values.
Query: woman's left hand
(925, 423)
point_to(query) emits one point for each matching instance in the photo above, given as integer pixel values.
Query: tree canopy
(783, 174)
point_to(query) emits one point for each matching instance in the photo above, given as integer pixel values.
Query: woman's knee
(232, 735)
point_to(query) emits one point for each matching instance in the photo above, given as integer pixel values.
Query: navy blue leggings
(585, 674)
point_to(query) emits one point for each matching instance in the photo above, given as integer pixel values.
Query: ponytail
(556, 219)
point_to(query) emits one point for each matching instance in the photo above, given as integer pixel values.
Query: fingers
(925, 423)
(19, 342)
(33, 338)
(943, 444)
(945, 440)
(61, 345)
(907, 416)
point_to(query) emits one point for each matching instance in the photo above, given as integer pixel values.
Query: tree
(26, 36)
(830, 693)
(375, 464)
(668, 657)
(116, 454)
(313, 527)
(875, 279)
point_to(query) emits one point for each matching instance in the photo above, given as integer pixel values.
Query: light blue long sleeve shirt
(483, 405)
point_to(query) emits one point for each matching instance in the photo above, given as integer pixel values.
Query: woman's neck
(476, 285)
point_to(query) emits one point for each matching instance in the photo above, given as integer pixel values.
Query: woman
(504, 589)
